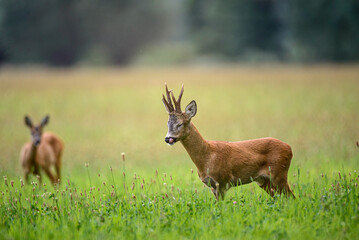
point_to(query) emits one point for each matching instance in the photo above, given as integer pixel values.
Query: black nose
(170, 140)
(36, 142)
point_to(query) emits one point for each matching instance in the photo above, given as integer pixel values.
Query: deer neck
(197, 147)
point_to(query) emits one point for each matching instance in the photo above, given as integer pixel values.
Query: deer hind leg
(265, 183)
(58, 172)
(274, 185)
(288, 191)
(50, 175)
(284, 188)
(58, 167)
(281, 186)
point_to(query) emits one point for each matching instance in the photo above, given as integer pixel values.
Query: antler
(178, 102)
(168, 101)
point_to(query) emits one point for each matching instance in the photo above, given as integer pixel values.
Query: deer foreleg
(26, 175)
(37, 173)
(214, 185)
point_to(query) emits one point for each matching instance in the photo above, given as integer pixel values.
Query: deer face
(36, 131)
(177, 126)
(178, 121)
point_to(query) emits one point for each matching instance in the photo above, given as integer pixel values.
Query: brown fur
(43, 152)
(44, 156)
(229, 164)
(222, 165)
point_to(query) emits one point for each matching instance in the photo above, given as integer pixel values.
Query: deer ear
(28, 121)
(45, 121)
(191, 109)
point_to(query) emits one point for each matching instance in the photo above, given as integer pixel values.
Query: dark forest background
(118, 32)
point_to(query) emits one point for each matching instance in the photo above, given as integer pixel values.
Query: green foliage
(100, 113)
(289, 30)
(65, 32)
(324, 30)
(62, 32)
(235, 27)
(41, 31)
(163, 206)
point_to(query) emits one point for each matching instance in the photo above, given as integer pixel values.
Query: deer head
(36, 131)
(178, 121)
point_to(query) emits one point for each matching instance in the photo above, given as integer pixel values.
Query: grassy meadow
(155, 192)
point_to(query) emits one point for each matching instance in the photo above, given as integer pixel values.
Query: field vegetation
(120, 179)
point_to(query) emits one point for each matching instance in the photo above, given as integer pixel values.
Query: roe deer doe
(222, 165)
(43, 151)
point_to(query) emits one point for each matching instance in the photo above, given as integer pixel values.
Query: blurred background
(122, 32)
(281, 68)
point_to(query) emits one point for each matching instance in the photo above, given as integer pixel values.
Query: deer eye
(179, 126)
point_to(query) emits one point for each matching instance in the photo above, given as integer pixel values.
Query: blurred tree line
(65, 32)
(62, 32)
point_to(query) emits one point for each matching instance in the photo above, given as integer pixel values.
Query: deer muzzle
(37, 142)
(170, 140)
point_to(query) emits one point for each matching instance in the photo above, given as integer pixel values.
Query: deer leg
(49, 174)
(215, 193)
(27, 171)
(218, 193)
(275, 185)
(265, 183)
(26, 175)
(37, 173)
(283, 187)
(58, 167)
(211, 183)
(267, 187)
(288, 192)
(221, 193)
(214, 185)
(58, 172)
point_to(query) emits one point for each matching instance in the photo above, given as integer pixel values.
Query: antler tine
(179, 99)
(165, 102)
(169, 102)
(177, 102)
(174, 101)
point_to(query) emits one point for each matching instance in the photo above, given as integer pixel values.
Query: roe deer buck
(43, 151)
(222, 165)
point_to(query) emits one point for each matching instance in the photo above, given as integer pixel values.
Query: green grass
(101, 113)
